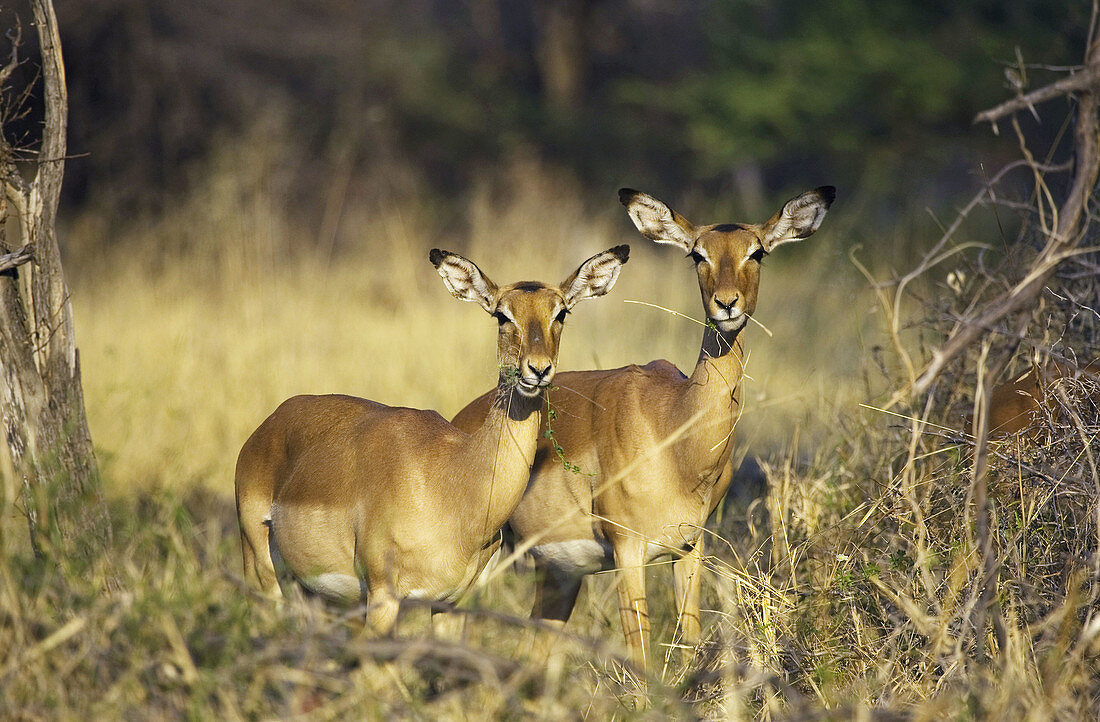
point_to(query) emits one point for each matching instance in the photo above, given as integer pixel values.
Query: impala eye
(758, 254)
(501, 318)
(560, 318)
(696, 257)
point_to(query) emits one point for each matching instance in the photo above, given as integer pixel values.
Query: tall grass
(199, 324)
(847, 591)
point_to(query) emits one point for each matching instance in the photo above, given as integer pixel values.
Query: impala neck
(501, 453)
(714, 389)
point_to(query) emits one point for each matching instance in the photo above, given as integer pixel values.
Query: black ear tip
(436, 256)
(626, 195)
(621, 252)
(828, 193)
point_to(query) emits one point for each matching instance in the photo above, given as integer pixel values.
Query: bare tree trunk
(46, 457)
(748, 187)
(562, 53)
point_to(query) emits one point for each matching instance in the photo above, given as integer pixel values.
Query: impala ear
(656, 221)
(798, 219)
(463, 279)
(596, 276)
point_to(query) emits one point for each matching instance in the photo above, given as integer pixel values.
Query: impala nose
(541, 374)
(727, 304)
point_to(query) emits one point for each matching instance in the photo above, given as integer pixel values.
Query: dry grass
(201, 324)
(849, 591)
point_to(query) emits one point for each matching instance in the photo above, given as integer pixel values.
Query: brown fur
(1014, 406)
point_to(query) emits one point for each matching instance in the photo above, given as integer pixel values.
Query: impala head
(727, 256)
(529, 314)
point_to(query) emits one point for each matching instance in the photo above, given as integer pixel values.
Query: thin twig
(669, 310)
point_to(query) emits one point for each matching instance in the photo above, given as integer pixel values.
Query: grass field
(851, 591)
(194, 332)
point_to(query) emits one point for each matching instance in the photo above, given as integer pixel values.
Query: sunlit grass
(195, 328)
(849, 586)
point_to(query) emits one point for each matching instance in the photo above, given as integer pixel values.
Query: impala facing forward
(367, 502)
(657, 442)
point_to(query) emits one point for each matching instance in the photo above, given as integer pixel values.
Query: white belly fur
(337, 587)
(586, 556)
(576, 556)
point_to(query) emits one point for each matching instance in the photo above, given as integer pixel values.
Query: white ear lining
(654, 219)
(596, 276)
(464, 279)
(799, 218)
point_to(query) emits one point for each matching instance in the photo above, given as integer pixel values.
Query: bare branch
(9, 261)
(16, 38)
(57, 106)
(970, 330)
(1061, 244)
(1088, 78)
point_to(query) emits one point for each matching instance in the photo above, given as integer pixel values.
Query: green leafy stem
(551, 416)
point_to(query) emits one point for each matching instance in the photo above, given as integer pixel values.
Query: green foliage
(405, 97)
(854, 81)
(551, 415)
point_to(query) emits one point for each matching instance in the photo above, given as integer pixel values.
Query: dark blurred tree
(406, 97)
(156, 83)
(562, 52)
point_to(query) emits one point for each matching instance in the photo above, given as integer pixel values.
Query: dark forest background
(738, 100)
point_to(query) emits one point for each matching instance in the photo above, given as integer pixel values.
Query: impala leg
(687, 575)
(248, 555)
(555, 596)
(448, 624)
(382, 613)
(630, 561)
(256, 554)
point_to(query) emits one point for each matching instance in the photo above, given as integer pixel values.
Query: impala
(654, 444)
(371, 503)
(1014, 406)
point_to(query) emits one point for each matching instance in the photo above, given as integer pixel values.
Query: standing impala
(649, 499)
(367, 502)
